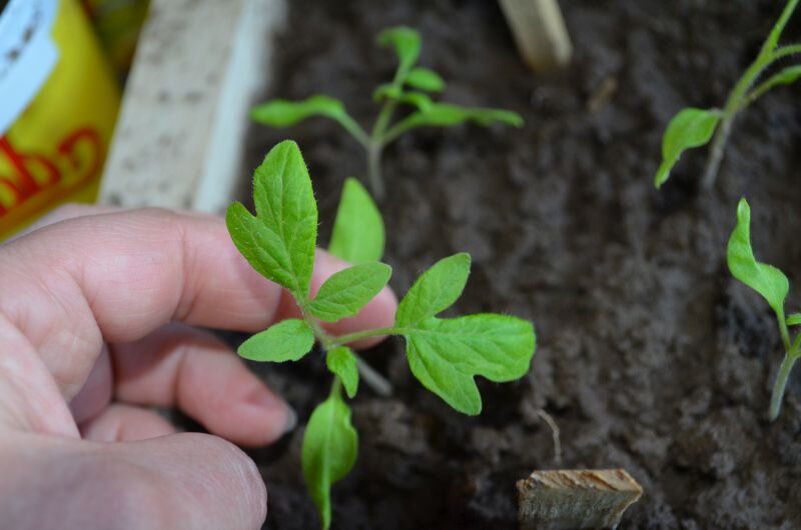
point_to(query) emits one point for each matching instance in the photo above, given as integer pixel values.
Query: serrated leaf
(330, 446)
(285, 113)
(358, 235)
(342, 362)
(347, 291)
(794, 319)
(446, 355)
(768, 281)
(689, 128)
(434, 291)
(405, 41)
(447, 115)
(425, 79)
(289, 340)
(279, 241)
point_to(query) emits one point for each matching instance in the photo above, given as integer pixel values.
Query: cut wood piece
(575, 499)
(539, 30)
(197, 69)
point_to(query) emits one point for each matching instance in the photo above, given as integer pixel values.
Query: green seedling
(693, 127)
(411, 86)
(444, 354)
(773, 286)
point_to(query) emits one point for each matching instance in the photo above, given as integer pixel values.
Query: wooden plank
(575, 499)
(179, 138)
(540, 33)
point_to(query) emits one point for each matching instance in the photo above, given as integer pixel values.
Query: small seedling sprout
(773, 286)
(444, 354)
(693, 127)
(410, 86)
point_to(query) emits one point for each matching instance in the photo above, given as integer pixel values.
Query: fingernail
(291, 420)
(264, 399)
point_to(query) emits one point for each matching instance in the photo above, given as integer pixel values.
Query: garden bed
(650, 357)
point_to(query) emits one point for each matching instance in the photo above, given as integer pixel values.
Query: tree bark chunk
(575, 499)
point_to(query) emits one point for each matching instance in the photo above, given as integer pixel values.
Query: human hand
(95, 316)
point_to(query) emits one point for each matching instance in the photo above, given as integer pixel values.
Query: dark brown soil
(651, 357)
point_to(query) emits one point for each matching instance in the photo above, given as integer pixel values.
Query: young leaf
(329, 451)
(447, 114)
(284, 113)
(289, 340)
(786, 76)
(279, 241)
(794, 319)
(342, 362)
(387, 91)
(689, 128)
(434, 291)
(347, 291)
(406, 42)
(425, 79)
(765, 279)
(445, 355)
(358, 235)
(416, 99)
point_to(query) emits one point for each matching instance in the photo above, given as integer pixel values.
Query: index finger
(119, 276)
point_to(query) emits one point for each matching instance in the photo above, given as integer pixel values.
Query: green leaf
(289, 340)
(358, 235)
(768, 281)
(347, 291)
(330, 445)
(786, 76)
(425, 79)
(794, 319)
(279, 241)
(342, 362)
(416, 99)
(406, 42)
(387, 91)
(434, 291)
(447, 115)
(689, 128)
(285, 113)
(446, 355)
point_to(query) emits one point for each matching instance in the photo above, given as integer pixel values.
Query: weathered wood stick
(575, 499)
(540, 33)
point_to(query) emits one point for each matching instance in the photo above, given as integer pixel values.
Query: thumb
(192, 481)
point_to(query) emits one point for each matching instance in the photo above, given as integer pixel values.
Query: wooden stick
(575, 499)
(539, 30)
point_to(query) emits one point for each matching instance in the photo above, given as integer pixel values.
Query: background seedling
(445, 355)
(773, 286)
(410, 86)
(693, 127)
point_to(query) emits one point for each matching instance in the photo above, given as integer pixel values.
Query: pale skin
(98, 317)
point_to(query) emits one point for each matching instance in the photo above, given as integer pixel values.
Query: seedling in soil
(773, 285)
(444, 354)
(411, 86)
(693, 127)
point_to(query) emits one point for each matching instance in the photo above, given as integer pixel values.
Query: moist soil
(650, 356)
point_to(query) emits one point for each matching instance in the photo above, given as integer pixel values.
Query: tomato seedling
(444, 354)
(773, 286)
(693, 127)
(410, 86)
